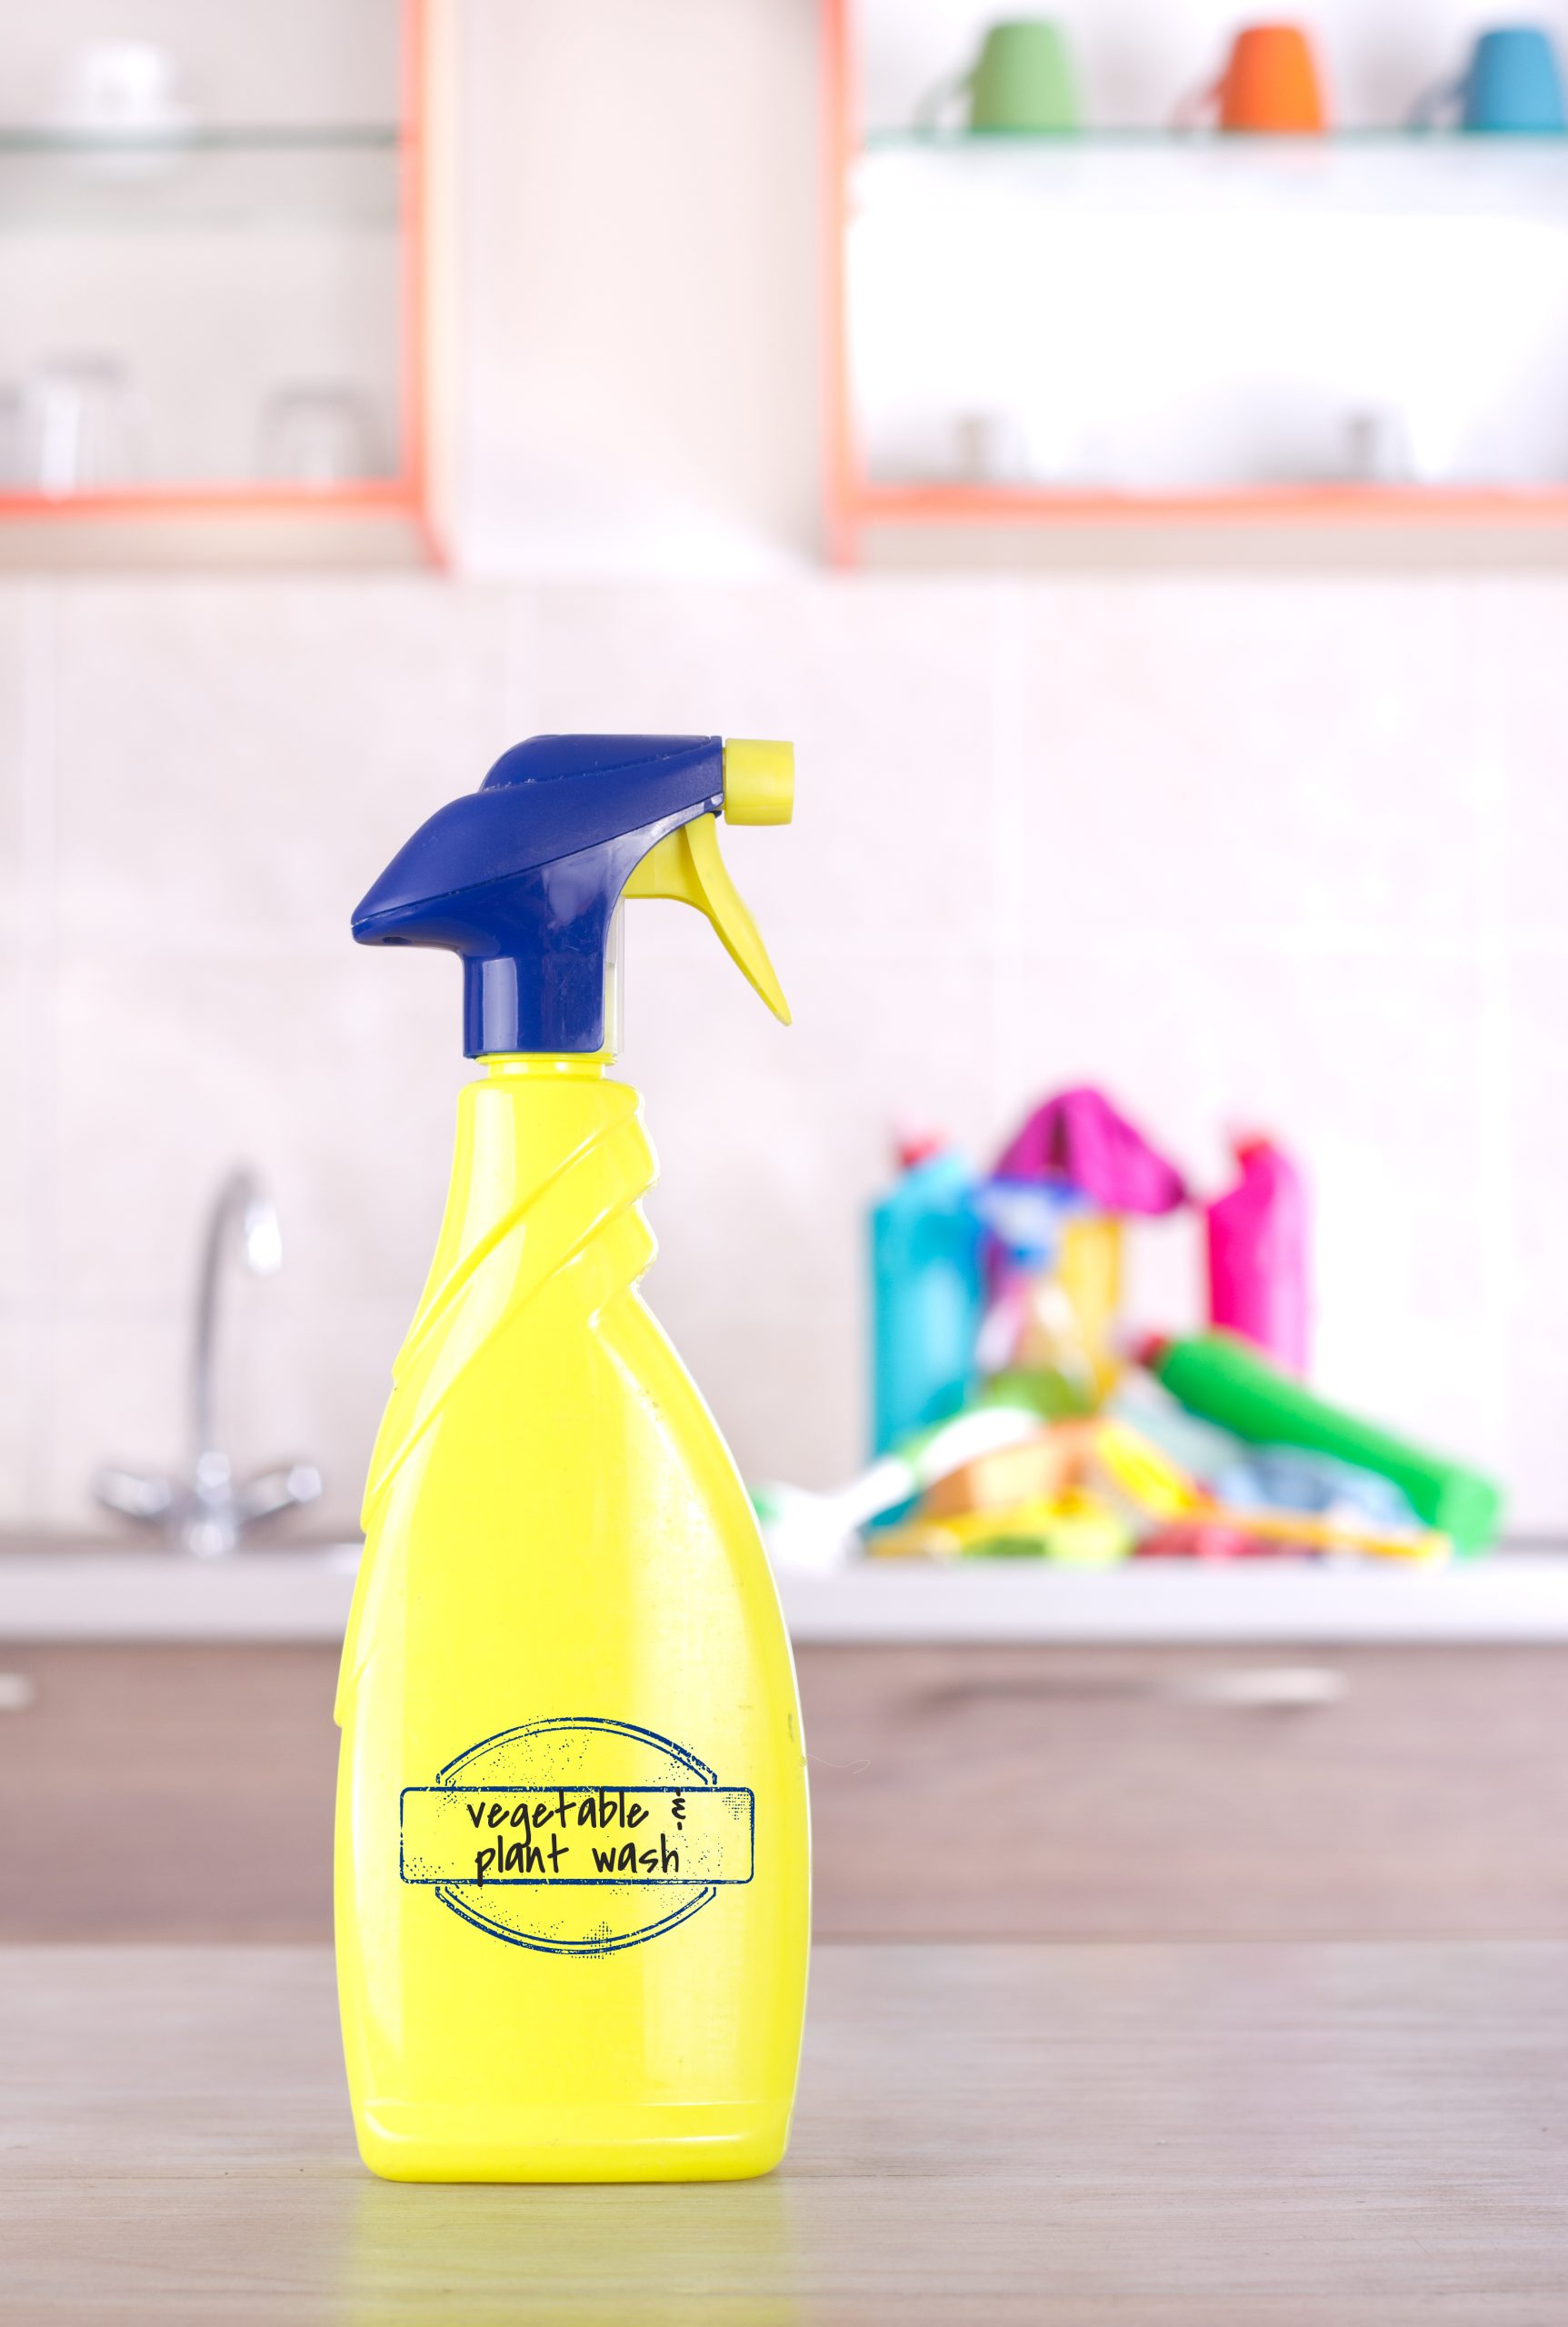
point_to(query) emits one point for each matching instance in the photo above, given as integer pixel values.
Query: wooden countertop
(1236, 2135)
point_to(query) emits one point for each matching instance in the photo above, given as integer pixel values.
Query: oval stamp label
(576, 1836)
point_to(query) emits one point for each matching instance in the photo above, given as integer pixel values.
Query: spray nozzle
(522, 878)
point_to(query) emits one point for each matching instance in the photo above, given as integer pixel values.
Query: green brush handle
(1225, 1381)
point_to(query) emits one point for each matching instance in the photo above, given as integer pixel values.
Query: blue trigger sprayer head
(522, 878)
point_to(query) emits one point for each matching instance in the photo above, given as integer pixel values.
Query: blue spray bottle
(927, 1294)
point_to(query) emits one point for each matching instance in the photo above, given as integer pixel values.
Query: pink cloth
(1080, 1137)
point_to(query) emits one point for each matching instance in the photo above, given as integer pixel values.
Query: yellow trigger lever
(686, 864)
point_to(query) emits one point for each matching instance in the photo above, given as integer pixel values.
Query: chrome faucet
(208, 1512)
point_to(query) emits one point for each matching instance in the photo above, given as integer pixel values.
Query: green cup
(1023, 80)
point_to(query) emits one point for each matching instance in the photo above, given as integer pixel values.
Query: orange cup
(1271, 84)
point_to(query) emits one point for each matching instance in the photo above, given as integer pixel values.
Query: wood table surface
(1242, 2135)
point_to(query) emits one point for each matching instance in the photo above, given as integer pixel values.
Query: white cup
(125, 85)
(81, 425)
(1377, 448)
(991, 448)
(317, 436)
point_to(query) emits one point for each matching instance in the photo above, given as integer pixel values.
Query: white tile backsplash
(233, 755)
(1523, 650)
(19, 647)
(771, 1142)
(20, 1482)
(1272, 849)
(1236, 757)
(1531, 1236)
(886, 689)
(18, 1145)
(331, 1076)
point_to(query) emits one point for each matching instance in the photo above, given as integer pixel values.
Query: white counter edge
(292, 1596)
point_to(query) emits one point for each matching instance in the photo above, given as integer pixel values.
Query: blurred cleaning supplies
(810, 1532)
(1020, 83)
(1216, 1453)
(1299, 1532)
(1271, 84)
(1036, 1468)
(1093, 1491)
(1065, 1291)
(1238, 1535)
(1030, 1326)
(571, 1842)
(1287, 1478)
(925, 1294)
(1323, 1505)
(1074, 1529)
(1227, 1381)
(1082, 1140)
(1200, 1449)
(1215, 1536)
(1089, 1269)
(1511, 87)
(1257, 1249)
(1143, 1475)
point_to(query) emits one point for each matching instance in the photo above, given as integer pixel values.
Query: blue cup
(1512, 86)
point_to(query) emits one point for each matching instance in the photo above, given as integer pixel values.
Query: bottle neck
(511, 1067)
(521, 1121)
(543, 1214)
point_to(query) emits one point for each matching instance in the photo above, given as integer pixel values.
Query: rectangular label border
(580, 1882)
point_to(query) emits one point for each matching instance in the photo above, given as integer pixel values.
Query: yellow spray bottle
(573, 1886)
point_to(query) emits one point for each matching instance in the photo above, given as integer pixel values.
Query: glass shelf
(1207, 140)
(1153, 313)
(199, 177)
(1375, 170)
(292, 136)
(1151, 317)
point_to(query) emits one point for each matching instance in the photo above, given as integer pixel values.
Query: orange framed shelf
(371, 496)
(174, 516)
(1292, 504)
(862, 507)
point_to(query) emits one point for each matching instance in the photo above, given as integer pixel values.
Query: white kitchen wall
(1256, 849)
(1272, 847)
(629, 290)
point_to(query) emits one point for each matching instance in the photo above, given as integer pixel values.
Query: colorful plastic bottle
(572, 1837)
(1258, 1242)
(1225, 1381)
(926, 1295)
(1079, 1147)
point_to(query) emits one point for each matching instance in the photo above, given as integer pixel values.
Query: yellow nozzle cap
(759, 783)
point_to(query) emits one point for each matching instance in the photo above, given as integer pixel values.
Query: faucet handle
(274, 1491)
(134, 1494)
